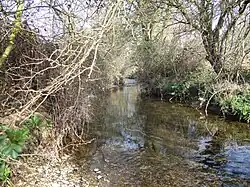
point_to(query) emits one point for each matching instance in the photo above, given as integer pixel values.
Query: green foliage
(33, 122)
(174, 89)
(11, 145)
(189, 89)
(36, 122)
(12, 142)
(4, 171)
(238, 104)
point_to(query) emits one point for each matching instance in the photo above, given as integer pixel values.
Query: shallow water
(154, 143)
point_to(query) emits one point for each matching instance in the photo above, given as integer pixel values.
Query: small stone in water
(65, 182)
(99, 177)
(40, 170)
(55, 185)
(205, 166)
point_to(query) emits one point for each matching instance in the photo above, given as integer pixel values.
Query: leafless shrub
(59, 77)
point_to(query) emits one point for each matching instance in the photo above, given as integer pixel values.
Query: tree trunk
(212, 47)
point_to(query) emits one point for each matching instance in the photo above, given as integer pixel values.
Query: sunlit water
(154, 143)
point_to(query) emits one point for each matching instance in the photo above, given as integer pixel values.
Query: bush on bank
(237, 104)
(173, 73)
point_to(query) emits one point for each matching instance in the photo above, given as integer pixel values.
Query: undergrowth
(13, 141)
(190, 88)
(237, 104)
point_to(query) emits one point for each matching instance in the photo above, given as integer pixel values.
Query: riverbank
(231, 101)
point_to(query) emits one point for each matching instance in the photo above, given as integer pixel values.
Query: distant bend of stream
(154, 143)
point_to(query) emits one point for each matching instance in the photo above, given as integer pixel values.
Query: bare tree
(214, 20)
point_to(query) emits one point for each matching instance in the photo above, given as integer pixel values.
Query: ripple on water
(238, 161)
(149, 142)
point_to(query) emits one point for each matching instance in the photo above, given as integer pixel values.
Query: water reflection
(164, 138)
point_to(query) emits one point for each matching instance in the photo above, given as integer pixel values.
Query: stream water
(148, 142)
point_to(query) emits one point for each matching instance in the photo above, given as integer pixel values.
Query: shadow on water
(154, 143)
